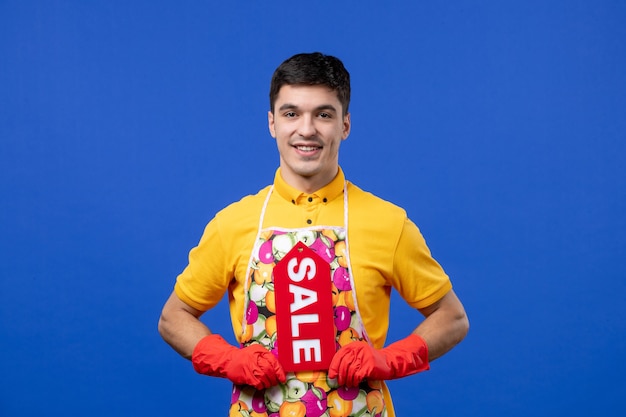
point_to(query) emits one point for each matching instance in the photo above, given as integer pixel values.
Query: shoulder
(367, 204)
(370, 215)
(248, 205)
(242, 214)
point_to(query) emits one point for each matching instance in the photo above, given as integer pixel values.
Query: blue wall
(499, 126)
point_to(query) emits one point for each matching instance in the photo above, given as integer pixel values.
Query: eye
(290, 114)
(324, 115)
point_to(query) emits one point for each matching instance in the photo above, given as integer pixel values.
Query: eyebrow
(289, 106)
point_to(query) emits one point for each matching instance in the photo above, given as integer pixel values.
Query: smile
(308, 148)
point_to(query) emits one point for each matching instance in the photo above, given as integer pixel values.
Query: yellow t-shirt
(386, 249)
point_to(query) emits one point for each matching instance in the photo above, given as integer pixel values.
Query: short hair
(312, 69)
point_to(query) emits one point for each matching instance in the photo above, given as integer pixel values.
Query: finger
(279, 371)
(355, 369)
(264, 373)
(356, 376)
(333, 369)
(264, 381)
(248, 377)
(260, 384)
(339, 364)
(355, 351)
(273, 372)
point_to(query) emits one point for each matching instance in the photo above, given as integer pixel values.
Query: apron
(307, 392)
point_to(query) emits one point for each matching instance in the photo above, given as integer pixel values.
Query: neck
(308, 184)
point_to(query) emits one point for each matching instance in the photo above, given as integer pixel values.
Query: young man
(309, 263)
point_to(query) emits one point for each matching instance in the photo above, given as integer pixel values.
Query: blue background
(499, 126)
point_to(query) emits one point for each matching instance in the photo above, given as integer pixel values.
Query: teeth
(307, 148)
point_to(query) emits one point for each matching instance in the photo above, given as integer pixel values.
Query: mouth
(307, 148)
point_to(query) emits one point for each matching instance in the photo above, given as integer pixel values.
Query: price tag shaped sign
(304, 311)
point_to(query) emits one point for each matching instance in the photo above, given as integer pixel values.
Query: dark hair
(312, 69)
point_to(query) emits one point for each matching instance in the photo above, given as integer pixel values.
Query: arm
(445, 325)
(180, 326)
(210, 354)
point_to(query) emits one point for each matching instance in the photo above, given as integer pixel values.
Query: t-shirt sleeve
(204, 281)
(417, 276)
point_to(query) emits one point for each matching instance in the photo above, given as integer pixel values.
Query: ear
(270, 124)
(346, 126)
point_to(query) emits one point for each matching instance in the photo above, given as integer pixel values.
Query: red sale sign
(304, 311)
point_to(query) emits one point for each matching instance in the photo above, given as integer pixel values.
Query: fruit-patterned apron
(307, 392)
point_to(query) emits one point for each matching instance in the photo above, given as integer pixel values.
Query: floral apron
(307, 393)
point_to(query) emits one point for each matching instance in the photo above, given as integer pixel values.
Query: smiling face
(308, 124)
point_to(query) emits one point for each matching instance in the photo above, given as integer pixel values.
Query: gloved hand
(252, 365)
(357, 361)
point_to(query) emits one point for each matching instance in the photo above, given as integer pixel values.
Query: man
(309, 263)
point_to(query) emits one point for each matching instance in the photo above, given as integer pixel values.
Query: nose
(306, 128)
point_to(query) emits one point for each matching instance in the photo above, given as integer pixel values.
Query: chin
(307, 173)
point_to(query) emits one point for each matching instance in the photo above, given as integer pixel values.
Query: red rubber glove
(252, 365)
(357, 361)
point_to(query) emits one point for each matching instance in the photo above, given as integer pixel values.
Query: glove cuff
(407, 356)
(210, 354)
